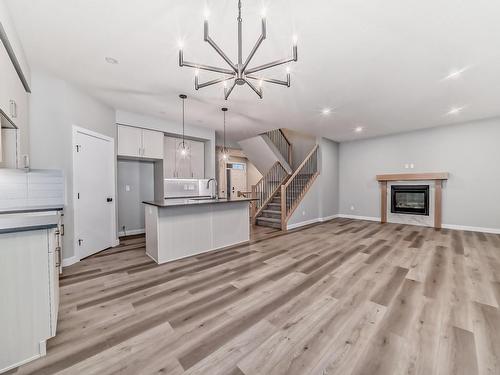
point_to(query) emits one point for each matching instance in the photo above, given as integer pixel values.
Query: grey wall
(138, 175)
(302, 144)
(321, 201)
(55, 106)
(469, 152)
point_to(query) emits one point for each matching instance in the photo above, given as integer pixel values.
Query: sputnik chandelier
(239, 73)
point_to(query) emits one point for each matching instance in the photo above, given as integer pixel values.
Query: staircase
(278, 193)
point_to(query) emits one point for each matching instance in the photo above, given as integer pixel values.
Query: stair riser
(274, 216)
(270, 225)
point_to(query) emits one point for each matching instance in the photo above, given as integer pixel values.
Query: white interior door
(238, 179)
(94, 189)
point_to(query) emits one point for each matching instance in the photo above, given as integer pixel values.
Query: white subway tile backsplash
(23, 189)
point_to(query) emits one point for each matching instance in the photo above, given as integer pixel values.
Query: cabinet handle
(58, 261)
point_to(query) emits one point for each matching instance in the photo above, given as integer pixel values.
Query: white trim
(326, 218)
(131, 232)
(356, 217)
(471, 229)
(20, 363)
(444, 226)
(69, 261)
(113, 240)
(311, 221)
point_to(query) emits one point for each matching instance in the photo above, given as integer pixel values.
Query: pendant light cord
(224, 150)
(183, 144)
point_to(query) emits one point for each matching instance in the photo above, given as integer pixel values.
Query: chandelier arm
(227, 91)
(269, 65)
(212, 82)
(206, 67)
(257, 91)
(217, 49)
(257, 45)
(272, 80)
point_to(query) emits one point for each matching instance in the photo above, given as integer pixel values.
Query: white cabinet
(139, 143)
(179, 165)
(14, 103)
(129, 141)
(29, 294)
(152, 144)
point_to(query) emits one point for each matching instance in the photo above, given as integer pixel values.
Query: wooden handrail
(284, 216)
(286, 138)
(290, 179)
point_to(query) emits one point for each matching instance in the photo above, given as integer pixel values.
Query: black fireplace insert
(410, 199)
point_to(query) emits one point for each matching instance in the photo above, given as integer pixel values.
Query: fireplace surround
(435, 204)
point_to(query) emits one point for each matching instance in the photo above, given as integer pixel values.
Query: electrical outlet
(127, 187)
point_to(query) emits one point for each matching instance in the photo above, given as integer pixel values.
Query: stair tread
(269, 219)
(272, 211)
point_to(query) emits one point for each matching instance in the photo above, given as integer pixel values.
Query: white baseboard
(471, 229)
(444, 226)
(69, 261)
(312, 221)
(356, 217)
(131, 232)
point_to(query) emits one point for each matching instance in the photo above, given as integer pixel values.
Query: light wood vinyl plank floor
(342, 297)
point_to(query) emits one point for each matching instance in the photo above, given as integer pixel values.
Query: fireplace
(410, 199)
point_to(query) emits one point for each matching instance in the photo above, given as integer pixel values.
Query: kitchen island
(179, 228)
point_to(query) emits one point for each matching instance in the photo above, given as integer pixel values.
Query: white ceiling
(379, 64)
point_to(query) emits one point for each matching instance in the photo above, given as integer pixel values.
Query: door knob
(109, 199)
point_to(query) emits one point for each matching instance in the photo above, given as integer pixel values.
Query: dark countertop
(26, 219)
(194, 202)
(26, 229)
(21, 210)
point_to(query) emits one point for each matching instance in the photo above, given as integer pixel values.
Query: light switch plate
(127, 187)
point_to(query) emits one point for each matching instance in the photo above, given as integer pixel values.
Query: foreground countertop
(28, 220)
(194, 202)
(19, 210)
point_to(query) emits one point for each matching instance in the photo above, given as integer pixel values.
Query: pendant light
(183, 148)
(225, 153)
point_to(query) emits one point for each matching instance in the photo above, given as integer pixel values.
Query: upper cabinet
(188, 165)
(139, 143)
(14, 87)
(152, 144)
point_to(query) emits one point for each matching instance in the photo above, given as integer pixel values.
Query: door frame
(114, 241)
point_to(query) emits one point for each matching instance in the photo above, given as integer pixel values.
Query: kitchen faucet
(214, 194)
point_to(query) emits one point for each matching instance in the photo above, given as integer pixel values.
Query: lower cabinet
(29, 293)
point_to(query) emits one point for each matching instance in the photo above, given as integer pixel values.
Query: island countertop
(176, 202)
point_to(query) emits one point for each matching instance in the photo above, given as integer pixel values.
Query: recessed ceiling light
(455, 111)
(358, 129)
(111, 60)
(455, 73)
(326, 111)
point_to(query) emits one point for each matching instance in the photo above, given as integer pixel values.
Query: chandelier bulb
(295, 39)
(263, 12)
(206, 14)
